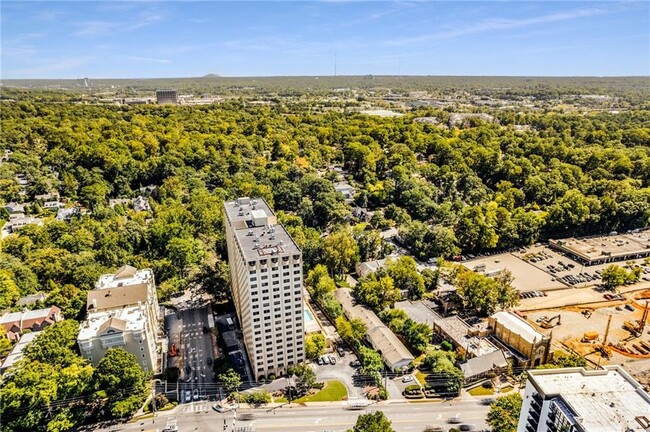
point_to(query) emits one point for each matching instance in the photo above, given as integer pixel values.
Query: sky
(149, 39)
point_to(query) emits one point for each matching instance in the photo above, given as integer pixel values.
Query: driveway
(341, 371)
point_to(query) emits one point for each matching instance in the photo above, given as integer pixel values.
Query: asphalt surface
(405, 417)
(186, 330)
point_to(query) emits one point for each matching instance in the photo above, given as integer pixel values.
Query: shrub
(413, 387)
(446, 346)
(272, 377)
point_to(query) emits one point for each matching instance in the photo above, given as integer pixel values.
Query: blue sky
(122, 39)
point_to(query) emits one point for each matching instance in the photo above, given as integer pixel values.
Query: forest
(483, 187)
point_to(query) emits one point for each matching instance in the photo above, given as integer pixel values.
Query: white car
(407, 378)
(188, 395)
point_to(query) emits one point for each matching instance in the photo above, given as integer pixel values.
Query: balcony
(536, 407)
(529, 428)
(533, 421)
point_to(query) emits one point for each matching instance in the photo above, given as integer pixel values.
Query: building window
(142, 355)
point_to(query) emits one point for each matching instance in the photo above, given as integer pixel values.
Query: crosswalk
(197, 407)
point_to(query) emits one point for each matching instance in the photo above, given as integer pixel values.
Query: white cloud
(495, 24)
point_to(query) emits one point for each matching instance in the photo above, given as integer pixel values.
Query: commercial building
(167, 97)
(528, 347)
(470, 341)
(266, 278)
(478, 368)
(14, 324)
(577, 400)
(395, 355)
(605, 249)
(123, 312)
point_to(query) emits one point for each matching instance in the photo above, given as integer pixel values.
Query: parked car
(332, 359)
(188, 395)
(326, 359)
(407, 378)
(195, 396)
(629, 307)
(320, 361)
(340, 350)
(466, 427)
(355, 363)
(487, 401)
(454, 420)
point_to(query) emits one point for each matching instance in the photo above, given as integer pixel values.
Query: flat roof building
(266, 278)
(577, 400)
(382, 339)
(604, 249)
(167, 96)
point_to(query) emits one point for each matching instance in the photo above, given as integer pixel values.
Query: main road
(404, 416)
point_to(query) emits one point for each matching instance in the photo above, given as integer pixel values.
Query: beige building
(395, 355)
(123, 312)
(266, 272)
(529, 347)
(578, 400)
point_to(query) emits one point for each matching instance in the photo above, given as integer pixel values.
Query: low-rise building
(65, 214)
(52, 204)
(528, 347)
(605, 249)
(19, 220)
(31, 299)
(14, 208)
(123, 312)
(53, 196)
(577, 400)
(345, 189)
(470, 341)
(141, 203)
(395, 355)
(17, 351)
(365, 268)
(119, 201)
(15, 323)
(478, 368)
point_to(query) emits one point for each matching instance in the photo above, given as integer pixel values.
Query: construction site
(611, 332)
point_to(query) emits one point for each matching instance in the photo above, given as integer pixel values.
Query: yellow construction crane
(603, 348)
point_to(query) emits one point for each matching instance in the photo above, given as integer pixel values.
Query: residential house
(31, 299)
(141, 203)
(16, 323)
(65, 214)
(19, 220)
(119, 201)
(52, 204)
(345, 189)
(13, 208)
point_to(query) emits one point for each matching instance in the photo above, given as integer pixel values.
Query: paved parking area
(343, 372)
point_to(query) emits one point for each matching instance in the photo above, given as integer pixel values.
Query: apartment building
(577, 400)
(266, 273)
(123, 312)
(164, 97)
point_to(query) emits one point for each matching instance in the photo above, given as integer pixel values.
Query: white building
(266, 273)
(577, 400)
(345, 189)
(123, 312)
(16, 353)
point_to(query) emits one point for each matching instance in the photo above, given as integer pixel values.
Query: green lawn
(481, 391)
(333, 391)
(281, 399)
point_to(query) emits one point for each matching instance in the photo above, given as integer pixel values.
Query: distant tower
(164, 97)
(86, 82)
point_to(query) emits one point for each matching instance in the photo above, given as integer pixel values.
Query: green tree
(9, 292)
(504, 413)
(5, 347)
(314, 345)
(406, 276)
(305, 377)
(377, 291)
(55, 344)
(372, 422)
(230, 380)
(185, 252)
(340, 252)
(614, 276)
(120, 376)
(352, 331)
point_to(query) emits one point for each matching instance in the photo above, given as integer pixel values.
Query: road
(405, 417)
(196, 348)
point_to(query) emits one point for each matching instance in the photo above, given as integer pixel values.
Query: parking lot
(342, 371)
